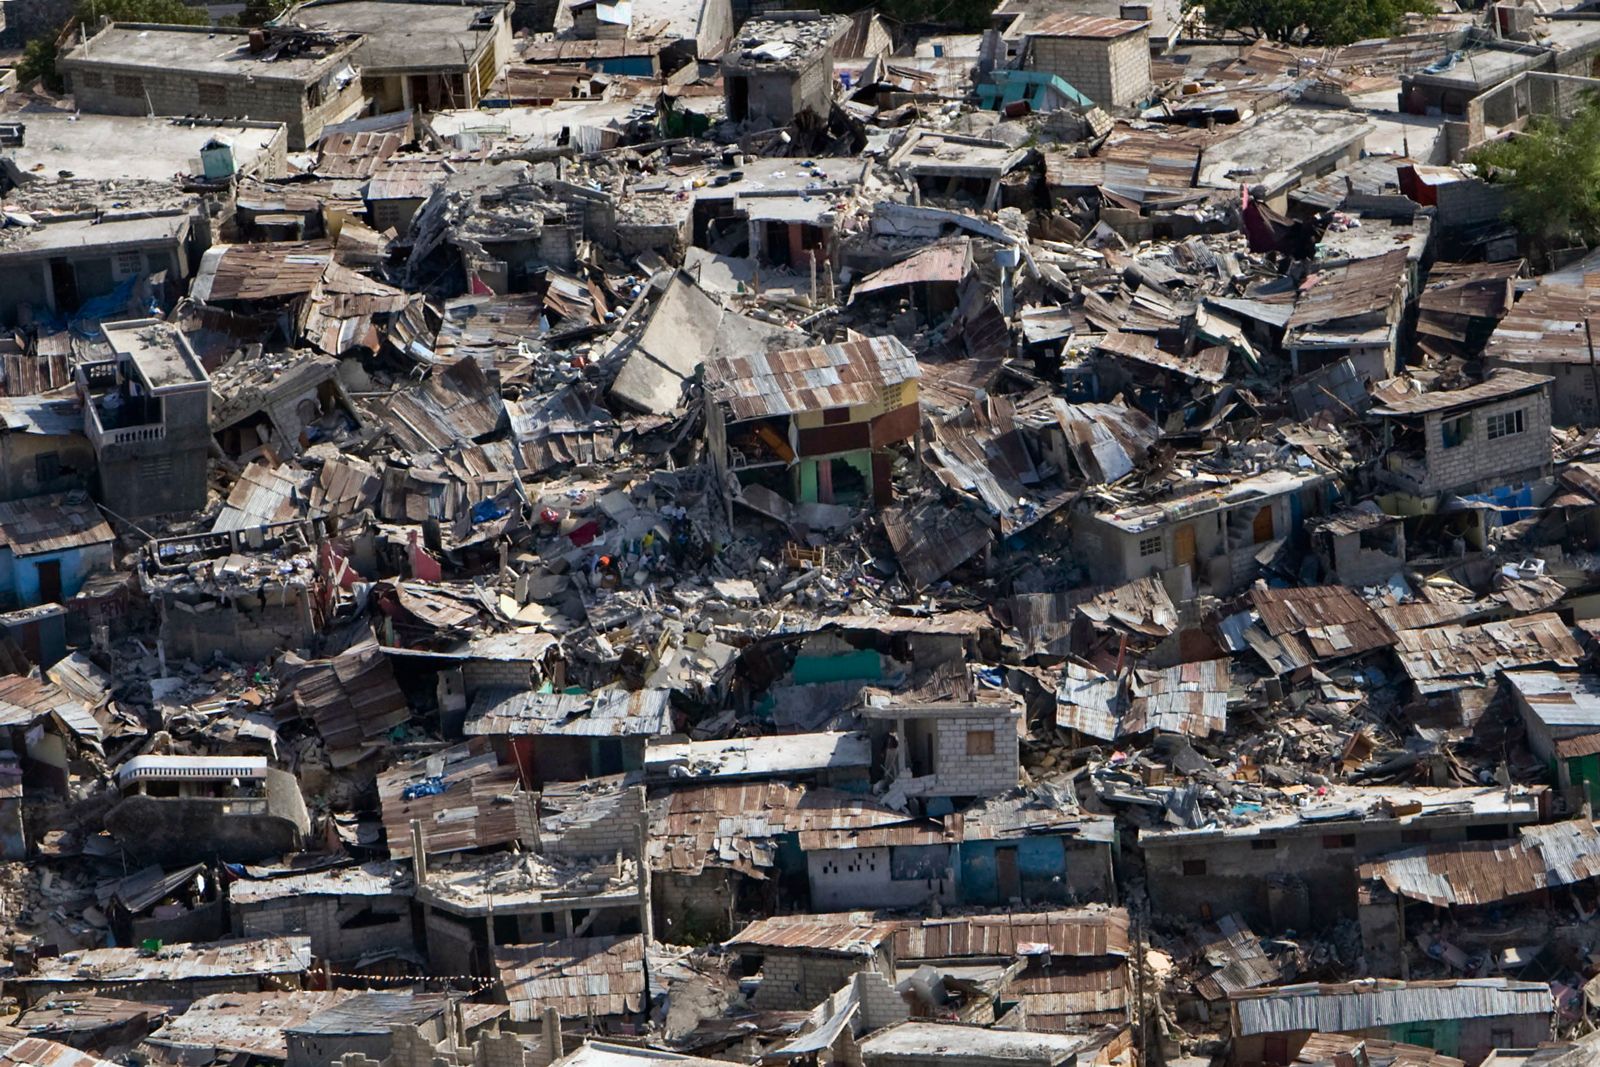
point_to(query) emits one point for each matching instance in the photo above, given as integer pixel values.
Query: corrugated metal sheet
(1067, 932)
(51, 524)
(1364, 287)
(353, 699)
(265, 271)
(81, 1014)
(580, 977)
(1206, 364)
(251, 1024)
(940, 262)
(24, 701)
(1484, 872)
(603, 713)
(248, 957)
(1498, 386)
(38, 1052)
(1320, 623)
(1547, 325)
(481, 803)
(1089, 702)
(1451, 657)
(1325, 1048)
(837, 935)
(1378, 1003)
(1098, 26)
(853, 374)
(1191, 698)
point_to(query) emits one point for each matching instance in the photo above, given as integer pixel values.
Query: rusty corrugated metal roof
(1068, 25)
(853, 374)
(1096, 931)
(1498, 386)
(1486, 872)
(846, 934)
(580, 977)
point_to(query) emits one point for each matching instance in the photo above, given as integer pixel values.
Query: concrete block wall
(960, 774)
(793, 981)
(497, 674)
(606, 830)
(1479, 459)
(95, 84)
(690, 907)
(1112, 72)
(881, 1004)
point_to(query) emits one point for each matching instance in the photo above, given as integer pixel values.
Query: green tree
(39, 64)
(1308, 22)
(261, 12)
(1551, 173)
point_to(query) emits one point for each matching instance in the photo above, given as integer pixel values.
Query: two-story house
(1489, 443)
(147, 413)
(813, 423)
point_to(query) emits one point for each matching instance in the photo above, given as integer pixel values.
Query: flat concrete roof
(199, 49)
(158, 350)
(400, 35)
(107, 147)
(104, 236)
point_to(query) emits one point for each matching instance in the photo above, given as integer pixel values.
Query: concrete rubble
(585, 530)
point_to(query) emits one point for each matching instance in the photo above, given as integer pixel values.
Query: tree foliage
(1551, 174)
(1309, 22)
(39, 64)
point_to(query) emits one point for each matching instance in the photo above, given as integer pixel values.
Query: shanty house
(350, 913)
(147, 413)
(417, 55)
(1488, 442)
(951, 749)
(1561, 714)
(780, 66)
(805, 958)
(1105, 59)
(1023, 847)
(177, 975)
(365, 1024)
(1353, 312)
(1296, 868)
(58, 265)
(48, 547)
(1406, 896)
(176, 808)
(43, 448)
(1075, 972)
(563, 737)
(1544, 333)
(816, 423)
(1359, 546)
(41, 725)
(1201, 536)
(1466, 1018)
(304, 80)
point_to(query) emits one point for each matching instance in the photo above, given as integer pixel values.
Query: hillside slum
(696, 532)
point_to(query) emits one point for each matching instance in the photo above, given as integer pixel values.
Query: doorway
(1183, 548)
(64, 284)
(1007, 879)
(49, 581)
(1261, 527)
